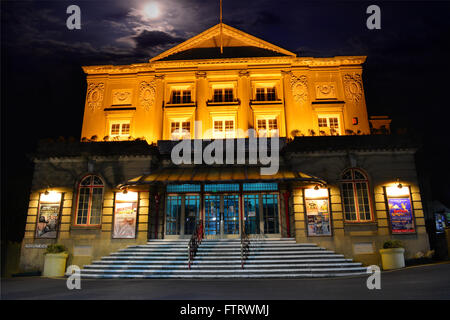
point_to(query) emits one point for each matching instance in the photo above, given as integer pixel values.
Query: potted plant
(392, 255)
(55, 260)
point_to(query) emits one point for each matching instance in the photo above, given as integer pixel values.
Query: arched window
(355, 196)
(89, 201)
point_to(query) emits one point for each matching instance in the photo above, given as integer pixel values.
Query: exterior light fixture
(46, 192)
(125, 191)
(316, 187)
(399, 185)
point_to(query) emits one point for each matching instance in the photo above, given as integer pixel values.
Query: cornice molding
(291, 61)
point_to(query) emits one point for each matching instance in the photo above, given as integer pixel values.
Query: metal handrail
(195, 241)
(245, 247)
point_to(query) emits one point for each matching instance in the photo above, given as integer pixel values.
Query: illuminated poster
(318, 215)
(47, 224)
(400, 212)
(125, 214)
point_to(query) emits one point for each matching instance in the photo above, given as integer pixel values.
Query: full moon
(152, 10)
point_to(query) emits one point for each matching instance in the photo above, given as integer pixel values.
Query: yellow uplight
(51, 196)
(129, 196)
(316, 194)
(395, 191)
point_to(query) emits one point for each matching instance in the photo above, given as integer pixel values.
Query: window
(181, 96)
(223, 95)
(180, 130)
(223, 128)
(266, 94)
(329, 124)
(120, 129)
(355, 196)
(267, 127)
(89, 201)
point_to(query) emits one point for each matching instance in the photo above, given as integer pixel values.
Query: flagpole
(221, 36)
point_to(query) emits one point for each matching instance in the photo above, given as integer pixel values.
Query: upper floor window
(180, 130)
(119, 129)
(266, 94)
(267, 127)
(181, 96)
(223, 95)
(355, 196)
(89, 201)
(329, 124)
(223, 128)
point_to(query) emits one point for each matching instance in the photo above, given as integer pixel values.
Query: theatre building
(341, 180)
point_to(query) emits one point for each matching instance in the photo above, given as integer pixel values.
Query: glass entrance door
(221, 215)
(261, 214)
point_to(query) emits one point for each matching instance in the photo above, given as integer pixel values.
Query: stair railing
(195, 241)
(245, 247)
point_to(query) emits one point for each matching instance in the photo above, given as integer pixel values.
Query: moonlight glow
(151, 10)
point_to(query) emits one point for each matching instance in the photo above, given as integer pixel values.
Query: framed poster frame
(136, 217)
(413, 216)
(58, 220)
(329, 213)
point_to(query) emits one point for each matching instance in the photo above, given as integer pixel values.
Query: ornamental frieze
(326, 90)
(147, 94)
(299, 87)
(353, 87)
(95, 95)
(122, 97)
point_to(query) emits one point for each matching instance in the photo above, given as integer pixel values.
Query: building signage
(125, 215)
(47, 224)
(318, 217)
(401, 215)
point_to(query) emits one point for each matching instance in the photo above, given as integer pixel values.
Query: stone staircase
(215, 259)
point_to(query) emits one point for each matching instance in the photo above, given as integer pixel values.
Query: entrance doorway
(222, 216)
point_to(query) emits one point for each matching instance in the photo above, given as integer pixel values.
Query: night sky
(406, 75)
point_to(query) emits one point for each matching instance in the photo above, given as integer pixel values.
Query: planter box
(393, 258)
(55, 264)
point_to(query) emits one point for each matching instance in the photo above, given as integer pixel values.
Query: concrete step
(221, 258)
(221, 262)
(234, 276)
(221, 267)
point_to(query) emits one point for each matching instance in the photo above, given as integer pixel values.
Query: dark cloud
(267, 18)
(149, 39)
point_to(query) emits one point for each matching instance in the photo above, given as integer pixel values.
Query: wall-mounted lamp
(316, 187)
(399, 185)
(125, 191)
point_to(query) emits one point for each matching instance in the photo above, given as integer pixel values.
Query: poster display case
(48, 215)
(125, 215)
(401, 216)
(317, 208)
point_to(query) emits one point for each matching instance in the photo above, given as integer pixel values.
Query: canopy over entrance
(211, 174)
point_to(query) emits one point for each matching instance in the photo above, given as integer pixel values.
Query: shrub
(55, 248)
(392, 244)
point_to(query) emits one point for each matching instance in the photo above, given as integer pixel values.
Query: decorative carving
(326, 90)
(299, 87)
(244, 73)
(353, 87)
(95, 95)
(122, 96)
(200, 75)
(147, 94)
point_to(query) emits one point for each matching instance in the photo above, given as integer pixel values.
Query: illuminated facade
(338, 183)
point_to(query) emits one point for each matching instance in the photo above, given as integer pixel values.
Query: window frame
(91, 187)
(224, 133)
(356, 204)
(121, 123)
(339, 129)
(268, 132)
(181, 135)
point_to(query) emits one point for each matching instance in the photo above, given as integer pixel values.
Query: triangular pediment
(235, 43)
